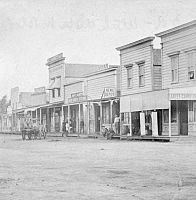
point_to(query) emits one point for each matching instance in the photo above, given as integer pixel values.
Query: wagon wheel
(23, 135)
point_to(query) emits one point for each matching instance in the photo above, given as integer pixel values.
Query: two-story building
(142, 101)
(179, 78)
(91, 97)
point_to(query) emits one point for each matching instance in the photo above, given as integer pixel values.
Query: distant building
(67, 82)
(23, 103)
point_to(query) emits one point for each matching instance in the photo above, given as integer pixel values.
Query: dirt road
(70, 168)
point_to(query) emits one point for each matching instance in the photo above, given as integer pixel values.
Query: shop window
(191, 65)
(173, 112)
(141, 74)
(191, 111)
(194, 110)
(125, 118)
(174, 68)
(106, 113)
(129, 76)
(166, 116)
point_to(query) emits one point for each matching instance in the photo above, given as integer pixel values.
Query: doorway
(97, 118)
(183, 117)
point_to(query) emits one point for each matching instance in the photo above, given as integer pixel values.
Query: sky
(86, 31)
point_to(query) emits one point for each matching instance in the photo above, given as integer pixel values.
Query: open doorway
(183, 117)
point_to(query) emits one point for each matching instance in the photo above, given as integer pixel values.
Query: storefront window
(190, 111)
(194, 108)
(106, 113)
(166, 116)
(173, 111)
(125, 118)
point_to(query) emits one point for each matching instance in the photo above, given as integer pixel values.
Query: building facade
(178, 78)
(28, 103)
(140, 104)
(91, 100)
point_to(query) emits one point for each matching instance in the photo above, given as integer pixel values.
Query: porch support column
(61, 118)
(88, 118)
(111, 103)
(68, 116)
(101, 115)
(130, 124)
(40, 116)
(142, 123)
(169, 118)
(53, 120)
(154, 124)
(36, 115)
(79, 118)
(48, 125)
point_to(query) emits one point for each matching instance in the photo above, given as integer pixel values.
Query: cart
(34, 133)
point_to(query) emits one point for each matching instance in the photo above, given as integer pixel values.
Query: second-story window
(141, 74)
(174, 68)
(191, 65)
(130, 76)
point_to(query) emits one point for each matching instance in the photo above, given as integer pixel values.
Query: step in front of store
(149, 138)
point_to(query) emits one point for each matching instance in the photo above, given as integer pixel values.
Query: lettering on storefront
(182, 96)
(77, 97)
(108, 93)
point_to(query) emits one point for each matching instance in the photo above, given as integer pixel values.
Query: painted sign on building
(108, 93)
(77, 97)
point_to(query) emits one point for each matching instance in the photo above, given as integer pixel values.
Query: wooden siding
(55, 71)
(157, 79)
(72, 88)
(132, 56)
(177, 42)
(96, 84)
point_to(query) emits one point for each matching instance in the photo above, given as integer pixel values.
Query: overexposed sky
(86, 31)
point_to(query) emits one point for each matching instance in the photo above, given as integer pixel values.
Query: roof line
(177, 28)
(147, 39)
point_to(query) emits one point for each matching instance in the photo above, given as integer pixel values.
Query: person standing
(117, 124)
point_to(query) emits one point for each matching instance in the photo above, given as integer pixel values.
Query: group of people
(69, 126)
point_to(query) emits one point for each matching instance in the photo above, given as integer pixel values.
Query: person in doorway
(82, 126)
(70, 126)
(67, 128)
(116, 124)
(63, 128)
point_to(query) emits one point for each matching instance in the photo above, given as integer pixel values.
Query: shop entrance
(97, 118)
(183, 117)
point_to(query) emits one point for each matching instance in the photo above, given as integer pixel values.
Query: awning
(125, 104)
(182, 93)
(50, 86)
(145, 101)
(57, 83)
(155, 100)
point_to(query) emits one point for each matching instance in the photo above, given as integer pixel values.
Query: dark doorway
(183, 117)
(97, 117)
(159, 118)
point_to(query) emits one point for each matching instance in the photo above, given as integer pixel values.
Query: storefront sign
(108, 93)
(77, 97)
(181, 96)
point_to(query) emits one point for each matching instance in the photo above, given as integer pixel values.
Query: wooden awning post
(169, 118)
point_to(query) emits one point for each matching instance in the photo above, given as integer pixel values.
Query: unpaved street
(71, 168)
